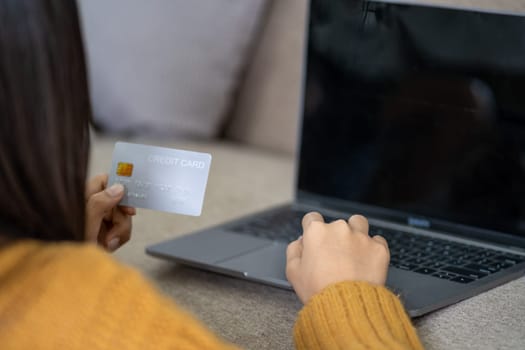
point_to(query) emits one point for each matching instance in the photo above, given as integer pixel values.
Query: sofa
(253, 169)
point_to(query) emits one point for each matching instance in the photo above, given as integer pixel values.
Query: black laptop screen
(418, 111)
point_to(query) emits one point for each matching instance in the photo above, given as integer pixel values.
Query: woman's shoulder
(76, 296)
(54, 257)
(75, 288)
(59, 268)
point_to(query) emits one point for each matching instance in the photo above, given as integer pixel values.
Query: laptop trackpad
(268, 262)
(207, 247)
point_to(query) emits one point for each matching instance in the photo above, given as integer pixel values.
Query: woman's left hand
(106, 222)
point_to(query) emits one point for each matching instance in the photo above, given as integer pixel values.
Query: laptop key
(402, 250)
(436, 264)
(425, 270)
(480, 268)
(444, 275)
(500, 265)
(455, 262)
(475, 250)
(406, 266)
(417, 261)
(420, 254)
(493, 269)
(400, 256)
(462, 279)
(483, 261)
(464, 272)
(469, 256)
(506, 259)
(447, 253)
(429, 250)
(517, 258)
(511, 261)
(487, 254)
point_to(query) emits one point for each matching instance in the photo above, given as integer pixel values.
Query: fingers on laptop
(358, 223)
(381, 240)
(311, 217)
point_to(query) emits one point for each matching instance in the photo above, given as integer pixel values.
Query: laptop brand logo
(417, 222)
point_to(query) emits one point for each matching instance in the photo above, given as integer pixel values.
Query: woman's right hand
(339, 251)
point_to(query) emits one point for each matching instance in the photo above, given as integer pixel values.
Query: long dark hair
(44, 117)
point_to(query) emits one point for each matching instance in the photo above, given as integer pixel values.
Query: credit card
(159, 178)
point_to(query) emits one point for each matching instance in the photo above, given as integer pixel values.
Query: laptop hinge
(308, 202)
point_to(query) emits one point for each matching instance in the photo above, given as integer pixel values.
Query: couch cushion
(268, 108)
(166, 66)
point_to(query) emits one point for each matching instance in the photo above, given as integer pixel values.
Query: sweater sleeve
(355, 315)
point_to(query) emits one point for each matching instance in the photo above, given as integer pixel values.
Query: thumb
(100, 204)
(103, 201)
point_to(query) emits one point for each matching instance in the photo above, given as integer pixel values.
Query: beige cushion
(166, 67)
(268, 106)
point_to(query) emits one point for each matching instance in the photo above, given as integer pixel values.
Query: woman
(57, 291)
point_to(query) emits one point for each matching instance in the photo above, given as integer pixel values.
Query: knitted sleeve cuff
(355, 315)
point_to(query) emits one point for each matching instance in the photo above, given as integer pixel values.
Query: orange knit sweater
(71, 296)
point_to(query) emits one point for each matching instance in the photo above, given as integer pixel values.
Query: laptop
(413, 116)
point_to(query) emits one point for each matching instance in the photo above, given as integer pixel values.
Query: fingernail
(114, 243)
(115, 190)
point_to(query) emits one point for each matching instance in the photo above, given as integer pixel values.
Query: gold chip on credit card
(124, 169)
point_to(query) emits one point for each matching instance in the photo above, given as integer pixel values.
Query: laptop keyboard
(435, 257)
